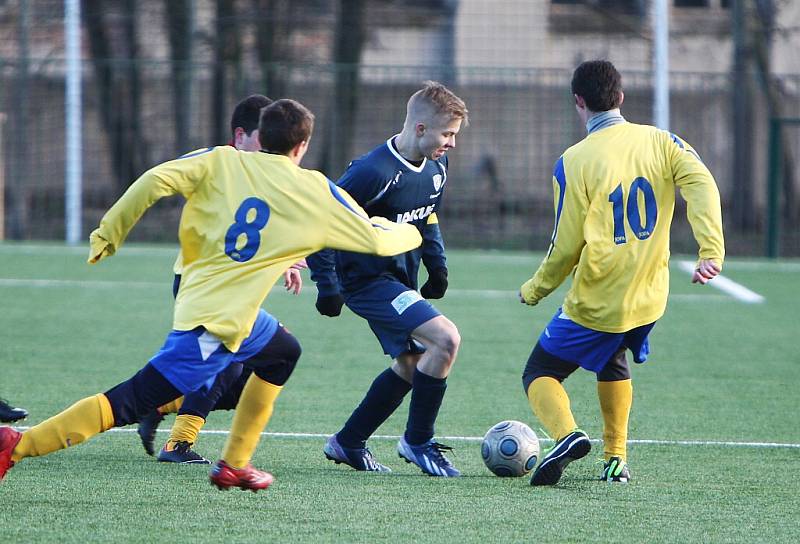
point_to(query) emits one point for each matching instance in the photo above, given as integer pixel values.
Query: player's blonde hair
(438, 100)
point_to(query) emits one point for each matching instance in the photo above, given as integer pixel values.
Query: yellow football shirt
(614, 200)
(247, 218)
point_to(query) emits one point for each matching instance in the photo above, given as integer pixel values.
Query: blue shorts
(393, 311)
(190, 360)
(589, 348)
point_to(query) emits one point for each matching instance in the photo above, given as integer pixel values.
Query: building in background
(159, 77)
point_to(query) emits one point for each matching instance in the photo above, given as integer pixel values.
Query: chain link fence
(146, 99)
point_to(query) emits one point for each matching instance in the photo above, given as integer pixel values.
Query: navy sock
(426, 397)
(201, 402)
(384, 396)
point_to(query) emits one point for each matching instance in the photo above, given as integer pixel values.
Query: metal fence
(500, 193)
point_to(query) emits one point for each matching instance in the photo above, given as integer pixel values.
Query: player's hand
(526, 288)
(99, 247)
(300, 265)
(706, 270)
(292, 280)
(436, 285)
(330, 305)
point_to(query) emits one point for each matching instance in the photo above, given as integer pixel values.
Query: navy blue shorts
(589, 348)
(191, 360)
(393, 311)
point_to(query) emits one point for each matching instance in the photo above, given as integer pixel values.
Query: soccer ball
(510, 448)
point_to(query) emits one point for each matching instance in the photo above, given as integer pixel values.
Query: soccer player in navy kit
(614, 200)
(402, 180)
(248, 217)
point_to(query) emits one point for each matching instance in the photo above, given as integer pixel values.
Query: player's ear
(298, 152)
(419, 129)
(579, 101)
(621, 98)
(238, 136)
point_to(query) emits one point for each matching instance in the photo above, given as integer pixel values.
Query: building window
(691, 3)
(628, 7)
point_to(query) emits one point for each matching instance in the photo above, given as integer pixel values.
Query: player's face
(439, 137)
(246, 142)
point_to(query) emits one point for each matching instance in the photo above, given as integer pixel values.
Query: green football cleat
(616, 470)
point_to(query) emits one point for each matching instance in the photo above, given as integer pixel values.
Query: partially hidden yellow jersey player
(248, 217)
(614, 200)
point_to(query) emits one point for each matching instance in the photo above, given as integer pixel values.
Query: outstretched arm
(571, 204)
(703, 207)
(350, 229)
(177, 176)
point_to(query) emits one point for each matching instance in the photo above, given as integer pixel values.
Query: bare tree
(272, 35)
(179, 30)
(227, 62)
(119, 88)
(349, 41)
(765, 17)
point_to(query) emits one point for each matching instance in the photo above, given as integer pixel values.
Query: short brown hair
(247, 113)
(599, 83)
(442, 100)
(284, 124)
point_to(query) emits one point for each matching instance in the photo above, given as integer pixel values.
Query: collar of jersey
(400, 158)
(603, 120)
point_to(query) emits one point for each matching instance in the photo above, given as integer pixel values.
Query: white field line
(717, 443)
(738, 291)
(533, 259)
(110, 284)
(489, 255)
(89, 284)
(83, 249)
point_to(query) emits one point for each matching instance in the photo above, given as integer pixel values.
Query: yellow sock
(252, 415)
(185, 429)
(80, 421)
(550, 403)
(171, 407)
(616, 399)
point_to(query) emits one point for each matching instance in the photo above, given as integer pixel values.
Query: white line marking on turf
(52, 249)
(491, 256)
(19, 282)
(110, 284)
(739, 292)
(722, 443)
(534, 259)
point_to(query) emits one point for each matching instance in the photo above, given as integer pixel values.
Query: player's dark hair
(247, 113)
(599, 84)
(284, 124)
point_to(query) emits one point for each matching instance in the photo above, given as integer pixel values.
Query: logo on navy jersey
(437, 182)
(415, 215)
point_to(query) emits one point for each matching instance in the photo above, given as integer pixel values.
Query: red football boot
(9, 438)
(224, 477)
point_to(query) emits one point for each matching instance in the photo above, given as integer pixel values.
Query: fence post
(773, 187)
(2, 180)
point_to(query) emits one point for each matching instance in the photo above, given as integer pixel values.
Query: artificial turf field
(715, 428)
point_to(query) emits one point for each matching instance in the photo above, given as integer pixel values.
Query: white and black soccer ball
(510, 448)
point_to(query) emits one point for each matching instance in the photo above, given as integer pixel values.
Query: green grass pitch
(722, 373)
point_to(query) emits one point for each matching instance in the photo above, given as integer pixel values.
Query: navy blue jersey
(387, 185)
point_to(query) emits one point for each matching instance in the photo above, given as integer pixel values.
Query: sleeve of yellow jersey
(700, 192)
(178, 176)
(350, 229)
(571, 205)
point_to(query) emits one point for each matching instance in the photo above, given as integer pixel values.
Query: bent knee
(448, 339)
